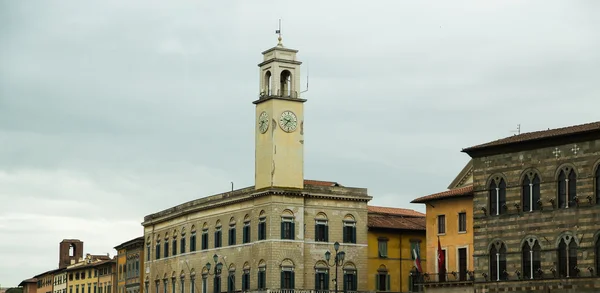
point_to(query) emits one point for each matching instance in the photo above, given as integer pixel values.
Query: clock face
(263, 122)
(288, 121)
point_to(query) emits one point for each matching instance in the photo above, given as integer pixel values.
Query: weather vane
(279, 33)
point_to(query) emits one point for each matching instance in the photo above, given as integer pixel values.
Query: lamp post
(217, 270)
(338, 261)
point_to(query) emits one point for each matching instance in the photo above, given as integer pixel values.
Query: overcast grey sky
(112, 110)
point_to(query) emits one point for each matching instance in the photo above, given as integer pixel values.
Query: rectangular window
(262, 228)
(231, 237)
(193, 241)
(174, 247)
(246, 233)
(287, 228)
(349, 232)
(262, 278)
(182, 245)
(166, 248)
(321, 231)
(350, 281)
(218, 237)
(441, 224)
(322, 279)
(231, 283)
(382, 247)
(246, 280)
(287, 279)
(462, 263)
(204, 239)
(462, 222)
(382, 279)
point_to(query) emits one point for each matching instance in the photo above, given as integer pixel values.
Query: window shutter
(345, 288)
(353, 229)
(244, 282)
(317, 237)
(292, 230)
(292, 280)
(326, 232)
(345, 236)
(282, 230)
(387, 278)
(282, 280)
(355, 282)
(377, 282)
(326, 281)
(317, 281)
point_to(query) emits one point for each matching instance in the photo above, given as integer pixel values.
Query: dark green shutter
(316, 233)
(353, 229)
(282, 229)
(345, 237)
(326, 232)
(292, 230)
(282, 280)
(355, 282)
(326, 281)
(377, 282)
(292, 280)
(345, 282)
(387, 278)
(317, 281)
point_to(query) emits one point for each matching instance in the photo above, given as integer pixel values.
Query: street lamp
(338, 261)
(218, 266)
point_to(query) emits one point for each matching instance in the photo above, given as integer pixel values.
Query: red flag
(440, 258)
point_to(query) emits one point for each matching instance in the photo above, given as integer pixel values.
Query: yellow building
(393, 234)
(83, 276)
(449, 217)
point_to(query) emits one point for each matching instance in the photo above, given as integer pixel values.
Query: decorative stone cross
(575, 149)
(556, 152)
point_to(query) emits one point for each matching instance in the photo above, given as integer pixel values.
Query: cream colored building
(273, 235)
(60, 282)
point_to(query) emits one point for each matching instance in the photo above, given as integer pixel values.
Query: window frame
(441, 229)
(462, 223)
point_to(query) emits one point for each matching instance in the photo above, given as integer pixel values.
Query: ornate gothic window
(531, 192)
(531, 257)
(567, 187)
(567, 256)
(498, 261)
(497, 196)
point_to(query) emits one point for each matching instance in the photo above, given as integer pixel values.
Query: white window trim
(457, 258)
(437, 219)
(458, 223)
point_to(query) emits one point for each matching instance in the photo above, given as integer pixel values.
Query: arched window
(262, 225)
(567, 256)
(267, 85)
(193, 238)
(321, 276)
(166, 246)
(531, 257)
(567, 187)
(498, 261)
(287, 225)
(204, 236)
(285, 80)
(321, 228)
(350, 277)
(157, 252)
(231, 279)
(262, 274)
(497, 196)
(218, 234)
(246, 229)
(598, 184)
(349, 232)
(246, 277)
(382, 279)
(174, 247)
(231, 236)
(531, 192)
(287, 274)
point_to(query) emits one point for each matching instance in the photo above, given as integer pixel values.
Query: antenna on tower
(306, 79)
(279, 33)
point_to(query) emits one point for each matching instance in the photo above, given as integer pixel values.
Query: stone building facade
(272, 235)
(537, 211)
(130, 265)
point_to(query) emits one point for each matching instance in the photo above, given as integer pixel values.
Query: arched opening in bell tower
(72, 250)
(267, 86)
(285, 87)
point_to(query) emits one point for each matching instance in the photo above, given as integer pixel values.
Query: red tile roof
(456, 192)
(395, 222)
(321, 183)
(394, 211)
(538, 135)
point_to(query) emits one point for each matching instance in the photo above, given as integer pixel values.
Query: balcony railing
(451, 277)
(279, 93)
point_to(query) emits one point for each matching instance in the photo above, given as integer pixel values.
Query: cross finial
(556, 153)
(279, 33)
(575, 149)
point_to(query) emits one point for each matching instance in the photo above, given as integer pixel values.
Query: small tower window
(286, 84)
(267, 86)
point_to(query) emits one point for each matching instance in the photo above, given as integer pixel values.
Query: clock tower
(279, 142)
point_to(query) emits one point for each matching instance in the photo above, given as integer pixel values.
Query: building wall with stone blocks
(546, 225)
(240, 206)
